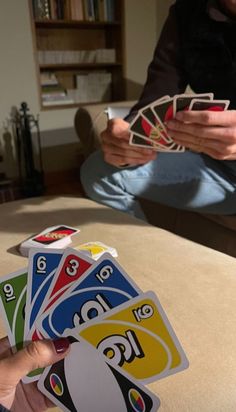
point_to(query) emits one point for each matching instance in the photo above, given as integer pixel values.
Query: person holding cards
(15, 395)
(195, 167)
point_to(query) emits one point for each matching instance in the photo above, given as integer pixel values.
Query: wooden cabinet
(86, 56)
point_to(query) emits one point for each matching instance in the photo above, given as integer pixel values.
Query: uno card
(214, 105)
(147, 143)
(182, 101)
(53, 237)
(149, 115)
(164, 146)
(96, 249)
(13, 298)
(147, 112)
(142, 127)
(163, 110)
(162, 99)
(136, 140)
(138, 337)
(102, 288)
(42, 267)
(41, 270)
(71, 267)
(86, 381)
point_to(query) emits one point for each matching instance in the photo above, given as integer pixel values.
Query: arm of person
(164, 77)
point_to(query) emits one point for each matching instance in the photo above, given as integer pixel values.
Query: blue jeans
(186, 180)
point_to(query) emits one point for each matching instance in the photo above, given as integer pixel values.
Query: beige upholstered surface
(196, 286)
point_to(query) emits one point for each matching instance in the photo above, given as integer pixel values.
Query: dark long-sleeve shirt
(165, 74)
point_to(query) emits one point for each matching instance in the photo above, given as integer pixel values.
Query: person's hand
(14, 394)
(116, 148)
(209, 132)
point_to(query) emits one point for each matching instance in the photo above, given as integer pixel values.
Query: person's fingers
(219, 149)
(118, 127)
(118, 160)
(116, 148)
(208, 117)
(4, 347)
(127, 149)
(222, 134)
(38, 354)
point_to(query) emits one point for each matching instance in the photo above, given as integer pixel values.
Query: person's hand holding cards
(120, 337)
(14, 394)
(190, 121)
(116, 148)
(207, 127)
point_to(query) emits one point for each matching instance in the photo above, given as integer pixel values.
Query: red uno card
(73, 264)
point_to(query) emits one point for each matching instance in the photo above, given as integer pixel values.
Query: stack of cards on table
(120, 336)
(54, 237)
(148, 128)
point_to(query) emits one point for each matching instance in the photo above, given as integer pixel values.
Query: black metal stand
(31, 178)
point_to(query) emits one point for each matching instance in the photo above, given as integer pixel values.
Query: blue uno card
(103, 287)
(42, 267)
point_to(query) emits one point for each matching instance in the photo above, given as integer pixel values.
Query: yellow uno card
(138, 337)
(96, 249)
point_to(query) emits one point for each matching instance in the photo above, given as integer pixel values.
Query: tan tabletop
(196, 287)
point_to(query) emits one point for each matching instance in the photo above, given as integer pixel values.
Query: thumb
(38, 354)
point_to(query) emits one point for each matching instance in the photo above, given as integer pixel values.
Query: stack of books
(81, 10)
(52, 91)
(76, 56)
(93, 87)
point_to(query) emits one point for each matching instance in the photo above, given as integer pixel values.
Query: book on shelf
(76, 56)
(57, 101)
(53, 10)
(110, 10)
(76, 10)
(41, 9)
(89, 10)
(48, 79)
(51, 89)
(80, 10)
(93, 87)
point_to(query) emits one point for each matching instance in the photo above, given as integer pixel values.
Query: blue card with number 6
(42, 267)
(104, 286)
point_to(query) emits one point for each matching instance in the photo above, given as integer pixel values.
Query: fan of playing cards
(120, 336)
(148, 127)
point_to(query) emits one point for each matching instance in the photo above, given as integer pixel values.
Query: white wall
(141, 36)
(18, 73)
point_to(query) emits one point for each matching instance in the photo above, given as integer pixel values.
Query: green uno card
(12, 305)
(13, 289)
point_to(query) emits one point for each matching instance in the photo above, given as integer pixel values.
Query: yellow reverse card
(138, 337)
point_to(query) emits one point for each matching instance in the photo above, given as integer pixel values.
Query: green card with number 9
(12, 305)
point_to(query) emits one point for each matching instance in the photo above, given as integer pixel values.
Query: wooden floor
(57, 183)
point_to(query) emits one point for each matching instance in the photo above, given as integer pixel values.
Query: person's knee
(87, 175)
(91, 175)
